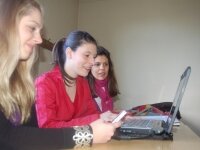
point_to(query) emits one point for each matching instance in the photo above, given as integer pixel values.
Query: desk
(184, 139)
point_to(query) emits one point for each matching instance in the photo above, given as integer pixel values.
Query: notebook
(141, 127)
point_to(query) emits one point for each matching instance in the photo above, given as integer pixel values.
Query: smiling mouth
(102, 74)
(30, 46)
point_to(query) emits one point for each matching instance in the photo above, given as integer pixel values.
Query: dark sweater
(29, 137)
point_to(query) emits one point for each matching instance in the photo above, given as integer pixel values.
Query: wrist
(83, 136)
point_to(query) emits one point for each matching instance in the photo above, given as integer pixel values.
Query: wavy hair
(112, 81)
(16, 86)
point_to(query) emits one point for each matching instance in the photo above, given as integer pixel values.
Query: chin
(25, 56)
(26, 53)
(84, 74)
(101, 78)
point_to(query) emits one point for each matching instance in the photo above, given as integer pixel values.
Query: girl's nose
(102, 66)
(38, 39)
(92, 60)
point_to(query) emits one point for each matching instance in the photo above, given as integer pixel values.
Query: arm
(22, 137)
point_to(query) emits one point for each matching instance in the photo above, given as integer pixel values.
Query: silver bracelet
(83, 136)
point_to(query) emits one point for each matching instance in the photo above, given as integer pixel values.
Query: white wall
(59, 19)
(151, 43)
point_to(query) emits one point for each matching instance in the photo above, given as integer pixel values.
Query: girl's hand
(103, 131)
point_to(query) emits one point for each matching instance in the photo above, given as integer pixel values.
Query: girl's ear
(68, 52)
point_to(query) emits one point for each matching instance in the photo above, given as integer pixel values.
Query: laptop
(143, 128)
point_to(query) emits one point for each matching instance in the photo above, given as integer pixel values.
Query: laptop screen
(178, 98)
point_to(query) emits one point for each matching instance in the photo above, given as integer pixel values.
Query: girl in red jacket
(63, 96)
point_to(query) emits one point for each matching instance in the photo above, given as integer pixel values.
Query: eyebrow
(33, 21)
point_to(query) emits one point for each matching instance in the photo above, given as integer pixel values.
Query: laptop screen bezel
(178, 98)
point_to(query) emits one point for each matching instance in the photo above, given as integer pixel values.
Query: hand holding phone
(120, 116)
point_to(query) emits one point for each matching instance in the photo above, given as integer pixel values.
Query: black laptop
(143, 128)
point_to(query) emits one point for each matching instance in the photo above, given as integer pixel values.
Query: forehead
(33, 16)
(101, 58)
(87, 48)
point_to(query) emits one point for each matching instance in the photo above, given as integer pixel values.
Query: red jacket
(54, 107)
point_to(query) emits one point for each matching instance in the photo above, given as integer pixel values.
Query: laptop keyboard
(142, 123)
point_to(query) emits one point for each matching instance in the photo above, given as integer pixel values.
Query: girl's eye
(32, 28)
(97, 64)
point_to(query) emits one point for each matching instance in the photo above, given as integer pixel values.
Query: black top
(28, 136)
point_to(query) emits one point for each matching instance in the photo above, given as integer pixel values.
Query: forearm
(36, 138)
(25, 137)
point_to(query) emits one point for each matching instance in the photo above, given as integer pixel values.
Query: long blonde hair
(16, 85)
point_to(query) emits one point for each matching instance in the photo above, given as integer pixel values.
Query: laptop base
(130, 136)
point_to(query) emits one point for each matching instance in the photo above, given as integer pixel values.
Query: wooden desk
(184, 139)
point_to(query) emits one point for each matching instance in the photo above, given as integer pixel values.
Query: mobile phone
(119, 116)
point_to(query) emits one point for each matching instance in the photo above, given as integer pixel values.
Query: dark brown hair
(112, 81)
(74, 40)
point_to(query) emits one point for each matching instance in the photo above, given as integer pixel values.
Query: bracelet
(83, 136)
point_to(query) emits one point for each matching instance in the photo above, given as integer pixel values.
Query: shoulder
(4, 122)
(53, 75)
(2, 116)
